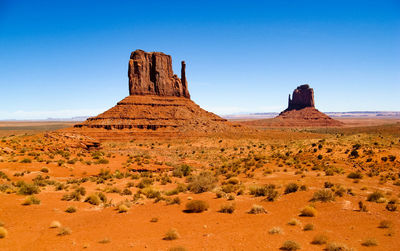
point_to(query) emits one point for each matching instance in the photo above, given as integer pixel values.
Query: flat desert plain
(271, 189)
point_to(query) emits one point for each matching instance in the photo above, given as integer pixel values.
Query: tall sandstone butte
(150, 73)
(303, 96)
(158, 101)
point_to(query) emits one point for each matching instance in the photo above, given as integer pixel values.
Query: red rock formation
(303, 96)
(150, 73)
(300, 113)
(159, 101)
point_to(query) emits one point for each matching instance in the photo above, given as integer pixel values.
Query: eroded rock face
(150, 73)
(303, 96)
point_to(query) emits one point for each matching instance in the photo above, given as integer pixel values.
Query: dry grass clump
(294, 222)
(290, 245)
(123, 208)
(369, 243)
(291, 188)
(31, 200)
(55, 224)
(362, 207)
(391, 205)
(201, 183)
(385, 224)
(196, 206)
(96, 198)
(70, 209)
(308, 211)
(3, 232)
(64, 231)
(172, 234)
(333, 246)
(268, 191)
(308, 227)
(323, 195)
(257, 209)
(275, 230)
(227, 208)
(320, 239)
(375, 196)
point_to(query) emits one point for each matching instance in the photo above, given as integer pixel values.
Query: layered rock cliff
(150, 73)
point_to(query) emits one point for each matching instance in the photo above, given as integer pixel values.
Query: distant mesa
(159, 101)
(301, 112)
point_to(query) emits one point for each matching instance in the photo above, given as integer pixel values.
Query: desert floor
(137, 190)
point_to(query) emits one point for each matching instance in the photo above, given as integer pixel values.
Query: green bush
(27, 189)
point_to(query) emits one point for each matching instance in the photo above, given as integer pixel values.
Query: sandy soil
(276, 157)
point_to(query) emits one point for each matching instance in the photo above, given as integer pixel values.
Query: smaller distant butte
(301, 112)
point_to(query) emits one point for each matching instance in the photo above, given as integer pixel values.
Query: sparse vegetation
(290, 245)
(196, 206)
(172, 234)
(257, 209)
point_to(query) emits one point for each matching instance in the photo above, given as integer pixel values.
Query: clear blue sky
(70, 58)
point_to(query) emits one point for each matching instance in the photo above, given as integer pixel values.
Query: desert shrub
(294, 222)
(27, 189)
(275, 230)
(323, 195)
(354, 154)
(55, 224)
(180, 188)
(391, 205)
(355, 175)
(291, 188)
(123, 208)
(375, 196)
(257, 209)
(333, 246)
(154, 219)
(26, 160)
(70, 209)
(102, 161)
(362, 207)
(227, 208)
(196, 206)
(308, 211)
(320, 239)
(3, 232)
(172, 234)
(151, 193)
(44, 170)
(369, 243)
(267, 190)
(328, 184)
(126, 191)
(385, 224)
(290, 245)
(175, 200)
(96, 198)
(183, 170)
(308, 227)
(31, 200)
(203, 182)
(64, 231)
(145, 182)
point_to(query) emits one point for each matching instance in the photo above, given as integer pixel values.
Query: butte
(158, 104)
(301, 112)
